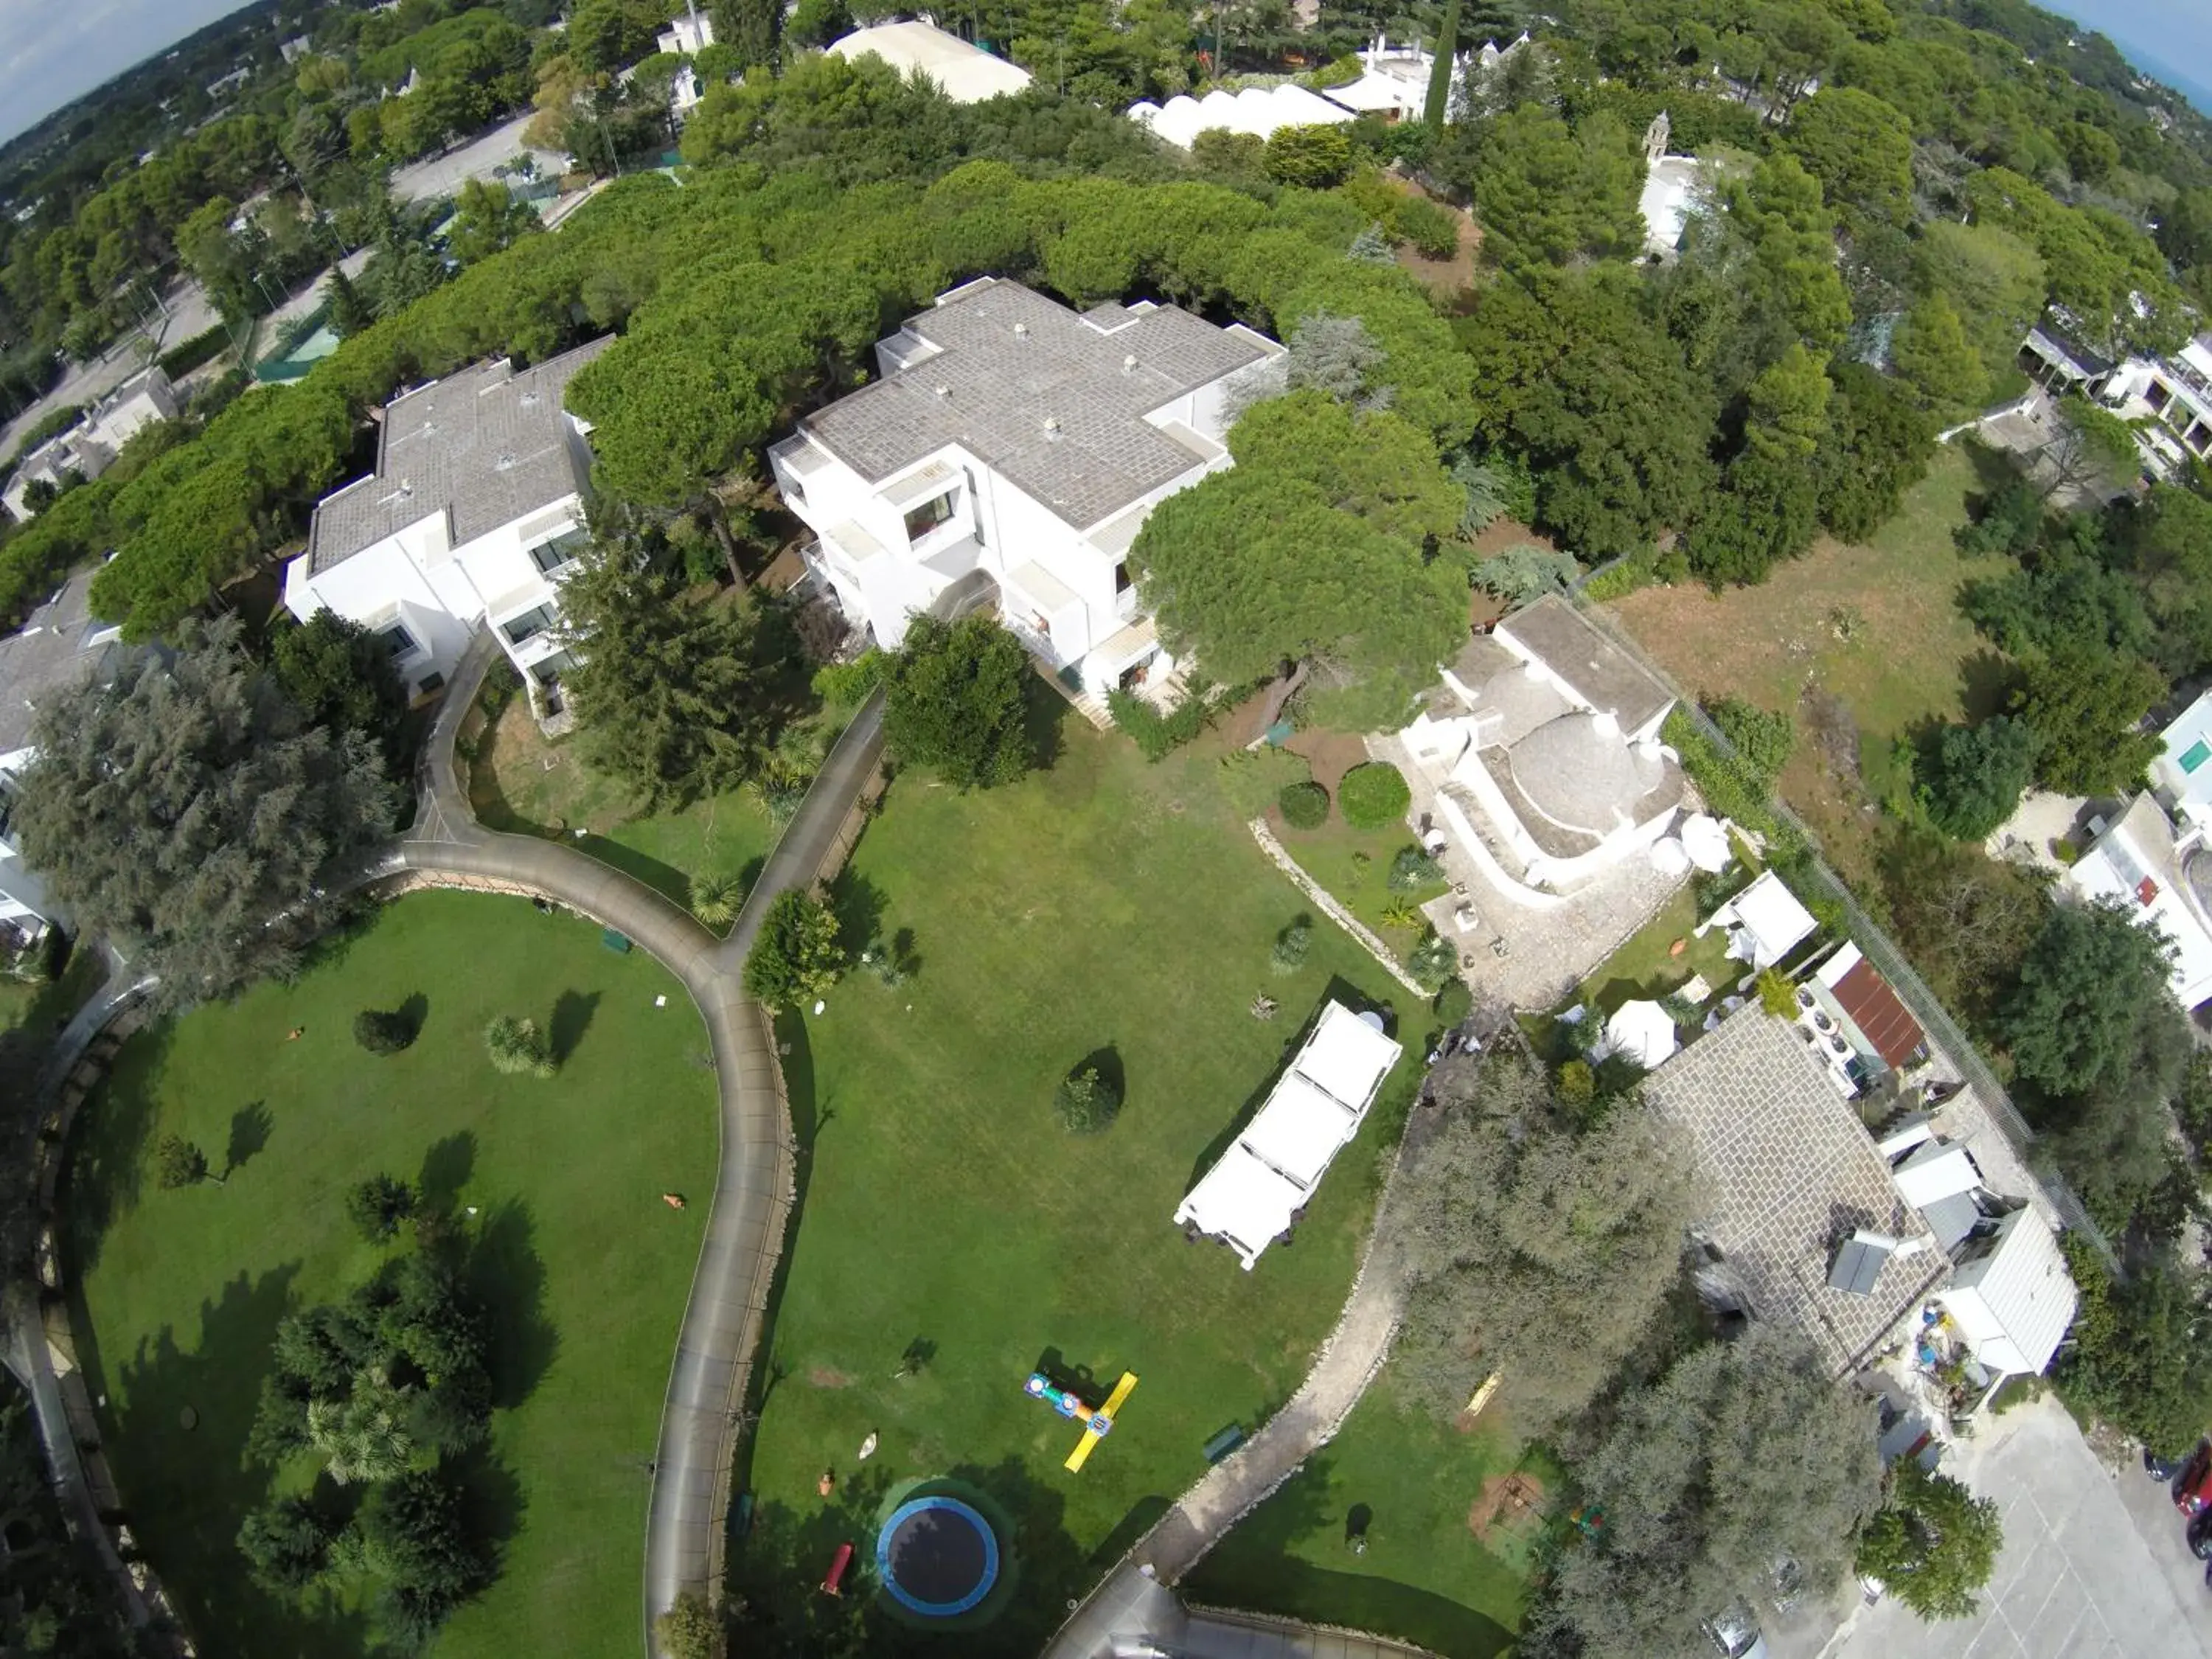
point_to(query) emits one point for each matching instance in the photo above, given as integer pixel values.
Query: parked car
(1735, 1632)
(2200, 1536)
(2167, 1469)
(2192, 1491)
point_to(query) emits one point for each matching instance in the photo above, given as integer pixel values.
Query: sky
(54, 51)
(2170, 39)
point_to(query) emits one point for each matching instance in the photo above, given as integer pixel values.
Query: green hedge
(1159, 735)
(1372, 796)
(188, 354)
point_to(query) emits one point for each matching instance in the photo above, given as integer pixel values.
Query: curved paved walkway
(747, 1217)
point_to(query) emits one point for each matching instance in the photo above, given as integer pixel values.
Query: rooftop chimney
(1128, 363)
(1022, 330)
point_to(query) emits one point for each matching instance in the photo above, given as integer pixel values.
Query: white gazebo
(1252, 1195)
(1643, 1032)
(1765, 922)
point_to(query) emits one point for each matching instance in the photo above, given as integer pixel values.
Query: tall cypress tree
(1440, 74)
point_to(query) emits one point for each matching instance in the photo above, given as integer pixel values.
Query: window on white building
(549, 556)
(920, 520)
(398, 642)
(530, 623)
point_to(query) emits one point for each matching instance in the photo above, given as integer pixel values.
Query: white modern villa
(1016, 446)
(472, 515)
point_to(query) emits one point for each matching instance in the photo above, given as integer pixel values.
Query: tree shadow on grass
(186, 1491)
(666, 879)
(572, 1017)
(446, 1169)
(1987, 682)
(1258, 1568)
(108, 1142)
(1045, 714)
(249, 1135)
(502, 1269)
(859, 904)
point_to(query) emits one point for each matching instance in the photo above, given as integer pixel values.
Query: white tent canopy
(1706, 839)
(1251, 1197)
(968, 73)
(1643, 1032)
(1765, 922)
(1669, 857)
(1259, 111)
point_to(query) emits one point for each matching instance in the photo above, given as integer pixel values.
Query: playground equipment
(833, 1583)
(1096, 1423)
(937, 1557)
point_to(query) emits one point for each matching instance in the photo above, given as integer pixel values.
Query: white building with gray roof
(60, 646)
(473, 514)
(1013, 443)
(1542, 743)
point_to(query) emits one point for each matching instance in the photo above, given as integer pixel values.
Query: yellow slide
(1092, 1438)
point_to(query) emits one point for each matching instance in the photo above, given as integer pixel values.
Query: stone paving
(1551, 941)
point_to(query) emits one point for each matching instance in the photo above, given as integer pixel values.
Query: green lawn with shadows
(526, 783)
(1405, 1483)
(1099, 905)
(583, 1269)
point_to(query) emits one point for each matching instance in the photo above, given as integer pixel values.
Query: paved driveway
(2094, 1565)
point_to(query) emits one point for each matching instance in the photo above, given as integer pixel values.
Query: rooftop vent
(506, 462)
(945, 391)
(1052, 426)
(1128, 363)
(529, 400)
(1023, 330)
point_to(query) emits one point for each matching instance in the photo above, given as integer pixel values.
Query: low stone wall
(1326, 902)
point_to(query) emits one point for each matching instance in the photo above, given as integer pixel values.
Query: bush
(1432, 962)
(688, 1630)
(382, 1031)
(1372, 796)
(1304, 805)
(518, 1048)
(848, 682)
(178, 1163)
(1455, 1002)
(1290, 947)
(287, 1545)
(1574, 1086)
(1433, 230)
(377, 1206)
(1413, 869)
(1157, 735)
(797, 955)
(1086, 1102)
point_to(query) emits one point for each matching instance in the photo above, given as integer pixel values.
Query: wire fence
(1876, 946)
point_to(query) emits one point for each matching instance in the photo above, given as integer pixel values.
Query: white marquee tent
(968, 73)
(1259, 111)
(1250, 1198)
(1643, 1032)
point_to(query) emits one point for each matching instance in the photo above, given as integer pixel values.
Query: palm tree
(1401, 913)
(716, 900)
(362, 1437)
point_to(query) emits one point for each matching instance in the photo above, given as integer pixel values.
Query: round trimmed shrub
(382, 1031)
(1304, 805)
(1372, 796)
(1086, 1101)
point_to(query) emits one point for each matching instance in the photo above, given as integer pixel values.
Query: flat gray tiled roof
(993, 391)
(53, 653)
(1795, 1173)
(1570, 645)
(486, 446)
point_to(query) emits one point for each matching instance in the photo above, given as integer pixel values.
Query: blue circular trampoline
(937, 1557)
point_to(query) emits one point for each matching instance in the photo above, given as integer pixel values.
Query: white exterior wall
(439, 593)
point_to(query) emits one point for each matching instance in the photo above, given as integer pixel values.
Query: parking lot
(2095, 1564)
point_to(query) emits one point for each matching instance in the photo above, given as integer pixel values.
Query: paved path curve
(751, 1205)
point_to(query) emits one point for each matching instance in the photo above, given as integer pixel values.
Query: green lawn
(1100, 904)
(1354, 866)
(1407, 1483)
(584, 1271)
(1646, 967)
(32, 1011)
(523, 782)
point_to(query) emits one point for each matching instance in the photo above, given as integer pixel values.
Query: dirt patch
(1508, 1504)
(1448, 279)
(827, 1376)
(1330, 754)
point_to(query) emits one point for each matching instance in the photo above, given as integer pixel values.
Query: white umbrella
(1668, 857)
(1706, 842)
(1644, 1031)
